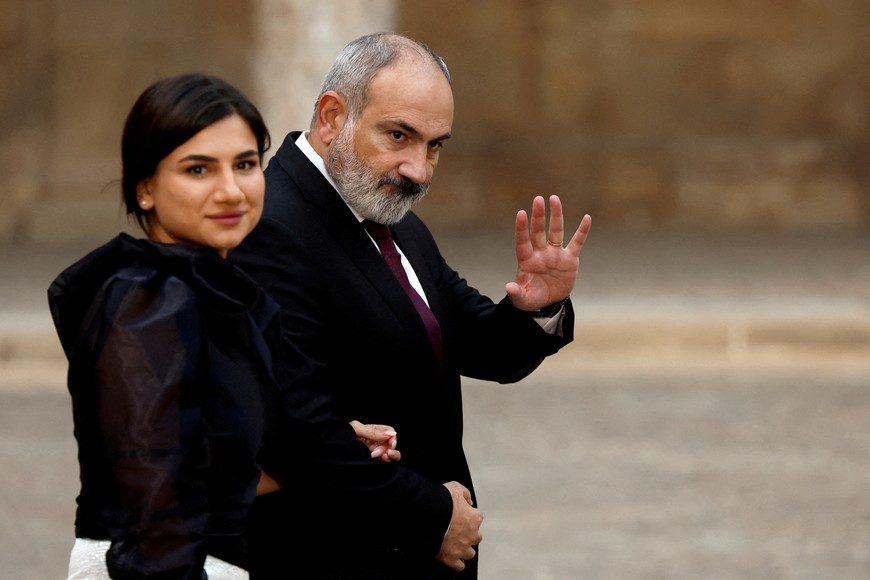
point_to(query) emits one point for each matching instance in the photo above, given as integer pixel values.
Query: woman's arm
(149, 412)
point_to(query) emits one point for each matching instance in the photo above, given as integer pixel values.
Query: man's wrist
(551, 310)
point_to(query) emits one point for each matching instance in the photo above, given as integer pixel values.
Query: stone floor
(610, 473)
(711, 420)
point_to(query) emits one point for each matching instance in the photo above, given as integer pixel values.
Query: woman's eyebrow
(210, 159)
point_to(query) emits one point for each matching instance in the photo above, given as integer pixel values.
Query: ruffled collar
(219, 284)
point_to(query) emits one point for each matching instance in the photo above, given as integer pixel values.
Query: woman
(170, 347)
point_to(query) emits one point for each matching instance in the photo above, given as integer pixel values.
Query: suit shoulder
(412, 226)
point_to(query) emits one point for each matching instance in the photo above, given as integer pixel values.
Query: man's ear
(331, 116)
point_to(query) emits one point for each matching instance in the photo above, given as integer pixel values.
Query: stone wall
(645, 113)
(79, 67)
(655, 113)
(26, 69)
(72, 70)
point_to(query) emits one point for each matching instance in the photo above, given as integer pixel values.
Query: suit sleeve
(504, 344)
(489, 341)
(388, 496)
(148, 409)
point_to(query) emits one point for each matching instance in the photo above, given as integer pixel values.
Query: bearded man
(378, 328)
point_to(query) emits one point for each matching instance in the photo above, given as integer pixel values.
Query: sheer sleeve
(149, 412)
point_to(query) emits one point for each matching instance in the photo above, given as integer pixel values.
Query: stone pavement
(711, 420)
(711, 297)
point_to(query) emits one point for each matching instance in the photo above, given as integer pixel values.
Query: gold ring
(559, 245)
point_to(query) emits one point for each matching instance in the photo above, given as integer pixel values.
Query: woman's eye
(196, 169)
(247, 165)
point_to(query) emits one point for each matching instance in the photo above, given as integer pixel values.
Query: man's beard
(382, 199)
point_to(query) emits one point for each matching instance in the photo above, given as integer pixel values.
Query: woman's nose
(228, 189)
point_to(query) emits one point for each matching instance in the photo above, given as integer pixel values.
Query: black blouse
(170, 356)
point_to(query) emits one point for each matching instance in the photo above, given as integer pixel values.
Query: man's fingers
(459, 563)
(539, 222)
(556, 234)
(579, 237)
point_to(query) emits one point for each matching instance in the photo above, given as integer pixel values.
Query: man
(384, 347)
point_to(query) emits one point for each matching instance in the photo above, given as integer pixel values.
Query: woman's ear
(331, 116)
(143, 196)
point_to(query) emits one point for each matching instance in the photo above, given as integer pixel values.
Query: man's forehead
(421, 100)
(409, 73)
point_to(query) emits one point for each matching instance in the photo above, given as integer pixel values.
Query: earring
(144, 203)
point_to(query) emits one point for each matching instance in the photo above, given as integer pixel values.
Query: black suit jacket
(355, 348)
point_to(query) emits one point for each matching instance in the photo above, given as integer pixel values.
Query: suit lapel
(355, 242)
(349, 234)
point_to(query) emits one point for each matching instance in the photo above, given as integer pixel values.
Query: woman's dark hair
(166, 115)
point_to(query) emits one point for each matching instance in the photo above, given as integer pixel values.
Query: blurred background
(649, 114)
(712, 417)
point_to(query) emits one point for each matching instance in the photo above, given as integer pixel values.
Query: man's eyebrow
(443, 137)
(413, 131)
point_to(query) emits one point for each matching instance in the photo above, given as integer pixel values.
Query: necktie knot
(378, 231)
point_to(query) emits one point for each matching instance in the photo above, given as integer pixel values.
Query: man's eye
(397, 135)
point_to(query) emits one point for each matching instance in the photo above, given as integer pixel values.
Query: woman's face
(207, 193)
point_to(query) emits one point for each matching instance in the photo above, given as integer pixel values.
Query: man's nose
(415, 165)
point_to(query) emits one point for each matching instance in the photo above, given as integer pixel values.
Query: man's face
(383, 162)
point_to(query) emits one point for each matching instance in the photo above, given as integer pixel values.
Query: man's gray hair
(357, 64)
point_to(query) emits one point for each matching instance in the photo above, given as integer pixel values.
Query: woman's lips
(229, 218)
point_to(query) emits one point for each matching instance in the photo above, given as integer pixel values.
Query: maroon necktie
(384, 239)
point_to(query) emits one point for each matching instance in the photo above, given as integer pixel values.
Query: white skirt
(87, 561)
